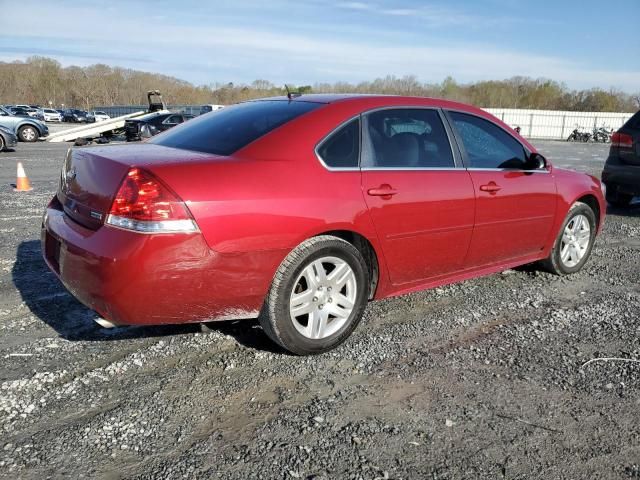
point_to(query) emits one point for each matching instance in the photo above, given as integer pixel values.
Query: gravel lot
(483, 379)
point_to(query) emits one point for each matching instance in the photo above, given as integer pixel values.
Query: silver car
(27, 129)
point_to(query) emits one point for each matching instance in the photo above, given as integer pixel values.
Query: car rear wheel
(575, 241)
(616, 198)
(2, 144)
(317, 297)
(28, 133)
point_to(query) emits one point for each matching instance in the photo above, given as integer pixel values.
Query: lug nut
(320, 306)
(315, 299)
(330, 300)
(320, 288)
(328, 289)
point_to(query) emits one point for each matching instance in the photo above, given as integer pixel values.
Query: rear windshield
(225, 131)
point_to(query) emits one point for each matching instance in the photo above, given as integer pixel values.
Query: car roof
(378, 99)
(375, 101)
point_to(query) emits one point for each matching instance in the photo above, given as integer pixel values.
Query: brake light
(621, 140)
(145, 204)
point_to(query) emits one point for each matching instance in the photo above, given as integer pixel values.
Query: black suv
(152, 124)
(621, 174)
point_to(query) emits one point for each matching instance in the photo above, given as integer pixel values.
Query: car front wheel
(575, 241)
(317, 297)
(28, 134)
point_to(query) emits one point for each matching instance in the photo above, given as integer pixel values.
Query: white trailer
(92, 130)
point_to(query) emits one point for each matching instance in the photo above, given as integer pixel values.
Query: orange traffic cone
(22, 182)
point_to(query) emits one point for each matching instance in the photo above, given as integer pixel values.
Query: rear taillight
(621, 140)
(145, 204)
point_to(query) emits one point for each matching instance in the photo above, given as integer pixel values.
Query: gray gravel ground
(483, 379)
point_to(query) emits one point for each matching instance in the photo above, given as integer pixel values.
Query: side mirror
(537, 162)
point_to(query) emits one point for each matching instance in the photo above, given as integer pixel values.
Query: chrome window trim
(391, 169)
(328, 135)
(457, 162)
(521, 170)
(464, 153)
(458, 110)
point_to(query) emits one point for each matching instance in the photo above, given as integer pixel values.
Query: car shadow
(47, 299)
(632, 210)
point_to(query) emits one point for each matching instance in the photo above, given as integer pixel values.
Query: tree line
(43, 81)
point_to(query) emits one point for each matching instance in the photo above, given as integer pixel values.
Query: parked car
(621, 173)
(27, 129)
(8, 138)
(75, 116)
(299, 211)
(210, 108)
(151, 124)
(97, 116)
(50, 115)
(19, 112)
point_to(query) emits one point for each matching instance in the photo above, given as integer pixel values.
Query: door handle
(385, 191)
(490, 187)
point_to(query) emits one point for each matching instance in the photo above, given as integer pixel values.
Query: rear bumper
(137, 279)
(625, 177)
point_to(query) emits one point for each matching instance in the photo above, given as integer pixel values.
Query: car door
(420, 199)
(170, 121)
(515, 203)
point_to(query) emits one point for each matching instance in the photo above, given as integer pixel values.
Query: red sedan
(299, 211)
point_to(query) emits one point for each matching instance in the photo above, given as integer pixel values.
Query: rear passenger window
(342, 148)
(406, 138)
(487, 145)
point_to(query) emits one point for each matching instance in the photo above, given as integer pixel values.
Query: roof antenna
(291, 95)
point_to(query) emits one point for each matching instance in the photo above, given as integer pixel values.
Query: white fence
(553, 124)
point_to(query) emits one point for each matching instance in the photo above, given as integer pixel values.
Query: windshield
(225, 131)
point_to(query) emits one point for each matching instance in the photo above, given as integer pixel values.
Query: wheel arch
(368, 251)
(29, 124)
(593, 203)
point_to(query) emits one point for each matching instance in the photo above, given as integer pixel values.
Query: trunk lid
(91, 176)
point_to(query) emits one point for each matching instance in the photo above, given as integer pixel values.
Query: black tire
(616, 198)
(2, 144)
(275, 317)
(28, 133)
(553, 263)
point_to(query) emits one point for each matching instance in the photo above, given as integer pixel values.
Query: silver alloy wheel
(575, 240)
(323, 297)
(28, 134)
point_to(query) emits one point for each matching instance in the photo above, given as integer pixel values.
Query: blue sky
(582, 43)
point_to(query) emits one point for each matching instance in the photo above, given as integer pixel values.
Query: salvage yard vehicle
(298, 210)
(74, 115)
(97, 116)
(151, 124)
(8, 138)
(50, 115)
(621, 173)
(27, 129)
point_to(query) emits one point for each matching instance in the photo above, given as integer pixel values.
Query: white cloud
(220, 52)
